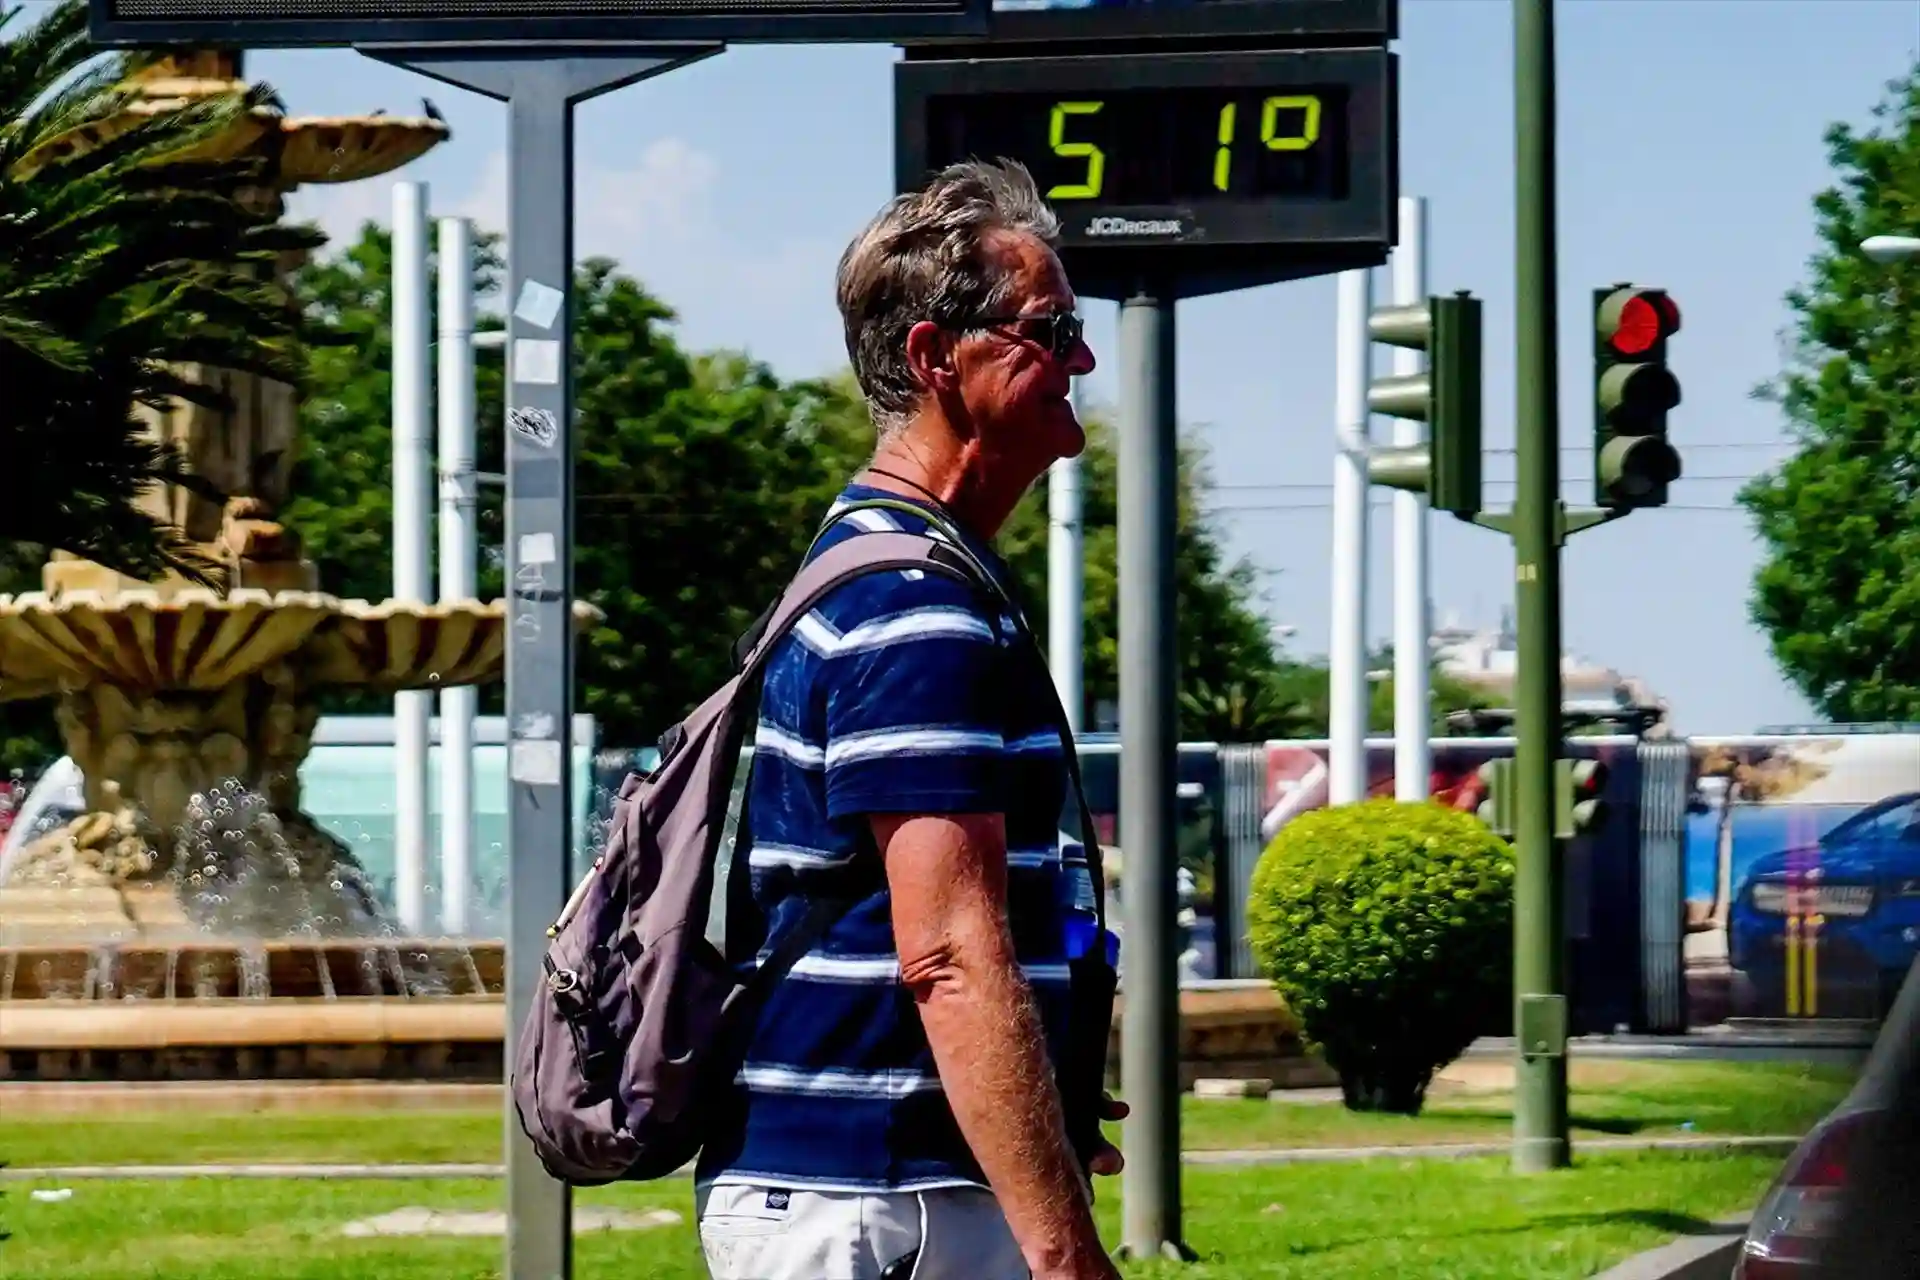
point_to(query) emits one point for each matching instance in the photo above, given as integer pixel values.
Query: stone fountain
(195, 874)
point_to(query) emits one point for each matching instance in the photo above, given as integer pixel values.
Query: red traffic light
(1640, 320)
(1586, 778)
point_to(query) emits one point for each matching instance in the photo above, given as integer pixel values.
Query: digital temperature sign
(1159, 147)
(1223, 159)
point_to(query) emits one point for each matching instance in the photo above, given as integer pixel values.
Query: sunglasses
(1058, 331)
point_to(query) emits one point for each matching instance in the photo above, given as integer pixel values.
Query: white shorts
(763, 1233)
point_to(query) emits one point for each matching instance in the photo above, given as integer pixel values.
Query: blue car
(1829, 928)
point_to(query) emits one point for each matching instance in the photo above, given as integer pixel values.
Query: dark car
(1830, 928)
(1841, 1206)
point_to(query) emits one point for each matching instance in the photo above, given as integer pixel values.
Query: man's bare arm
(948, 879)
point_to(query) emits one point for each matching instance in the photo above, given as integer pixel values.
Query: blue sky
(1690, 148)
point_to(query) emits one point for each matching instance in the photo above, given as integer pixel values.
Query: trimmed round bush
(1387, 927)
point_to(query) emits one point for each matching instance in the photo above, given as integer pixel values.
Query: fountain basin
(453, 1038)
(197, 640)
(171, 700)
(92, 1026)
(199, 968)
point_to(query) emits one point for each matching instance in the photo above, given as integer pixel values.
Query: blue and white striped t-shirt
(902, 692)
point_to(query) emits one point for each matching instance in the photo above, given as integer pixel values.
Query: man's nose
(1081, 362)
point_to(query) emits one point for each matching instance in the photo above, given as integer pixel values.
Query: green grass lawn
(1435, 1220)
(1610, 1098)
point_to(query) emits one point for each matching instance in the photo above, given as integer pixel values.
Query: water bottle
(1089, 1027)
(1080, 913)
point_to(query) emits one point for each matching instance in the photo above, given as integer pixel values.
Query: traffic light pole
(1537, 801)
(1539, 938)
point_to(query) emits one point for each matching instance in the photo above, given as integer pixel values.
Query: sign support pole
(540, 89)
(1149, 677)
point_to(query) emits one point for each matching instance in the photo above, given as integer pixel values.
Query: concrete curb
(1282, 1155)
(1707, 1256)
(1470, 1150)
(170, 1172)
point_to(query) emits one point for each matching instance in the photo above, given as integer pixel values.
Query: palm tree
(127, 246)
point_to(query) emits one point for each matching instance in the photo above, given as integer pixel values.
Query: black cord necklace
(912, 484)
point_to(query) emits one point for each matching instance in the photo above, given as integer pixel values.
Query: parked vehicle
(1796, 1219)
(1845, 907)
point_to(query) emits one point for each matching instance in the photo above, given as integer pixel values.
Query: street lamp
(1891, 248)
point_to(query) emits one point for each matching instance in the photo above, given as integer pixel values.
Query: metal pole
(1412, 716)
(539, 463)
(1540, 1091)
(1066, 571)
(540, 91)
(458, 570)
(412, 518)
(1150, 1021)
(1347, 646)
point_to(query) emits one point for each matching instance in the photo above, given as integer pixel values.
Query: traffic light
(1497, 810)
(1632, 391)
(1446, 397)
(1578, 809)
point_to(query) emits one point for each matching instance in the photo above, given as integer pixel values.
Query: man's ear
(930, 356)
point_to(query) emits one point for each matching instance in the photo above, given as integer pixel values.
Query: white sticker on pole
(539, 304)
(535, 763)
(536, 362)
(535, 726)
(537, 548)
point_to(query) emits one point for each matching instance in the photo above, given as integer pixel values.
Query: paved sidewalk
(1272, 1155)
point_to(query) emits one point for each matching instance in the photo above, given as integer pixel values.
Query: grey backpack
(640, 1013)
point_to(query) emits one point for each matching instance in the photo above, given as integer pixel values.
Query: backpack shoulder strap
(853, 558)
(956, 546)
(841, 563)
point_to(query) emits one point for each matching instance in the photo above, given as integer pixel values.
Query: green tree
(701, 478)
(1840, 519)
(1228, 668)
(29, 740)
(121, 257)
(1445, 694)
(1290, 698)
(118, 259)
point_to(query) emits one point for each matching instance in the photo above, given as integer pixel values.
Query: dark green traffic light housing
(1446, 397)
(1497, 810)
(1578, 809)
(1633, 390)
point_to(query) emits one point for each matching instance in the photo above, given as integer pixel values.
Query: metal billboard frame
(1143, 26)
(614, 24)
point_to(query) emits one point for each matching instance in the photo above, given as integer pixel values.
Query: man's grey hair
(920, 259)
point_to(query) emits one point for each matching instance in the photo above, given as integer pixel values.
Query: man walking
(897, 1113)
